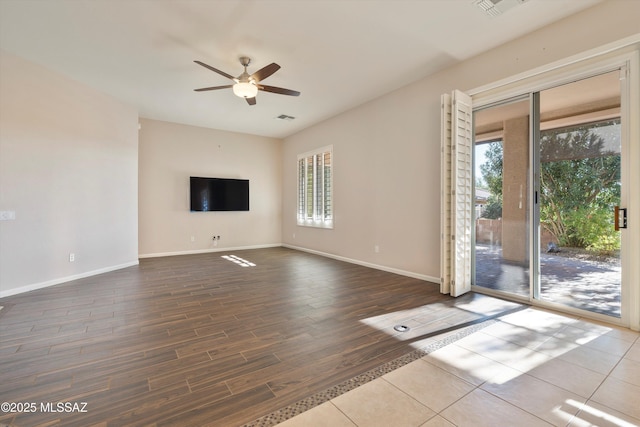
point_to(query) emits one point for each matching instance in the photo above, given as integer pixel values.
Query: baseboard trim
(367, 264)
(40, 285)
(34, 286)
(204, 251)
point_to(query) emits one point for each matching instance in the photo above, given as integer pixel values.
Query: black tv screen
(219, 194)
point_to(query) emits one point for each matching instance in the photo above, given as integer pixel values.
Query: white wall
(69, 159)
(170, 153)
(387, 152)
(68, 169)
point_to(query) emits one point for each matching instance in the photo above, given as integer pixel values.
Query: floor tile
(537, 397)
(482, 409)
(465, 364)
(629, 371)
(598, 339)
(526, 360)
(556, 347)
(489, 346)
(379, 403)
(516, 334)
(619, 395)
(595, 414)
(576, 334)
(634, 352)
(540, 320)
(505, 352)
(606, 329)
(437, 421)
(590, 358)
(429, 384)
(569, 376)
(325, 415)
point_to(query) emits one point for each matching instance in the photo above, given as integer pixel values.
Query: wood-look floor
(200, 340)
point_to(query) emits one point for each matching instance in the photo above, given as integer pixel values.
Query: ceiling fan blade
(265, 72)
(279, 90)
(251, 101)
(202, 89)
(222, 73)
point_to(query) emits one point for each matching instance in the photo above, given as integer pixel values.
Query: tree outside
(579, 184)
(492, 180)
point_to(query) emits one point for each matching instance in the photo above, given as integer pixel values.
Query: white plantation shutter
(456, 193)
(315, 188)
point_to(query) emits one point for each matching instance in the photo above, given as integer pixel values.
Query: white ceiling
(338, 54)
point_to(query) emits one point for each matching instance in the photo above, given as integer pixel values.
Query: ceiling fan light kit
(245, 89)
(247, 86)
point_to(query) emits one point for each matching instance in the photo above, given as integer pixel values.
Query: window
(315, 188)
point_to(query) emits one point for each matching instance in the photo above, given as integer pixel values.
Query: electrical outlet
(376, 249)
(72, 257)
(193, 238)
(7, 215)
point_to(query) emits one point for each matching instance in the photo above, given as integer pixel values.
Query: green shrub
(590, 228)
(493, 208)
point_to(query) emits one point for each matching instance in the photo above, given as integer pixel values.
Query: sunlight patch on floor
(597, 417)
(240, 261)
(427, 322)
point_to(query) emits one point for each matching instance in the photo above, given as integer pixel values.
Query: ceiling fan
(247, 86)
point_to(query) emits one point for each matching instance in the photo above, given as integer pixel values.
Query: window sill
(312, 224)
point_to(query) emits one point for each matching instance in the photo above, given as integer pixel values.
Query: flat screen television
(219, 194)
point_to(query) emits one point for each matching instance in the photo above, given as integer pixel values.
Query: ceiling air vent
(497, 7)
(285, 117)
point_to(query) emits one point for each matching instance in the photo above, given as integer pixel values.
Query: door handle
(619, 221)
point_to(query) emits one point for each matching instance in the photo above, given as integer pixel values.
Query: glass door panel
(501, 161)
(579, 188)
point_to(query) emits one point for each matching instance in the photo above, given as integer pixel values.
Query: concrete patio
(584, 284)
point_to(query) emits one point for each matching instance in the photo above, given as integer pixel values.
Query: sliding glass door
(548, 187)
(579, 152)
